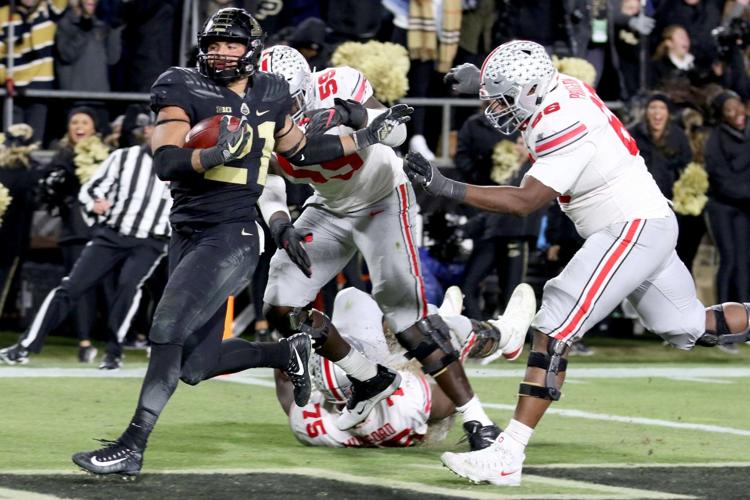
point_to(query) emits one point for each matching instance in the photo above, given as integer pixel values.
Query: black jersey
(226, 193)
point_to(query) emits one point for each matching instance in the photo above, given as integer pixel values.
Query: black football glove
(292, 241)
(464, 79)
(344, 112)
(230, 145)
(421, 172)
(381, 127)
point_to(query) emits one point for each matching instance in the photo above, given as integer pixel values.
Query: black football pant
(730, 229)
(137, 258)
(206, 266)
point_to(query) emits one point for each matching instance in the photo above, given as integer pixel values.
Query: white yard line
(9, 494)
(487, 492)
(630, 420)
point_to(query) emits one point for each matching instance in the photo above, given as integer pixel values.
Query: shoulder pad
(179, 86)
(272, 87)
(553, 134)
(355, 84)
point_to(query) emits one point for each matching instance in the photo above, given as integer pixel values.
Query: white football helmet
(292, 65)
(329, 379)
(515, 77)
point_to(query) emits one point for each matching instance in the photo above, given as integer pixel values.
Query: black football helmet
(230, 25)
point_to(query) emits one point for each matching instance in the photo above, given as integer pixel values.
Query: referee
(130, 206)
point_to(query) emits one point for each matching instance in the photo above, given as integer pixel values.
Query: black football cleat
(300, 348)
(480, 436)
(115, 458)
(14, 355)
(366, 394)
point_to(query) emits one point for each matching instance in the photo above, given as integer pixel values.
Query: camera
(736, 34)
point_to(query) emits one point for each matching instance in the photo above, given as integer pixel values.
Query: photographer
(731, 40)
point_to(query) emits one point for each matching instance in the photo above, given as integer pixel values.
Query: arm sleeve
(102, 182)
(273, 198)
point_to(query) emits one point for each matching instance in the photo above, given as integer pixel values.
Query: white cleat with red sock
(514, 324)
(500, 464)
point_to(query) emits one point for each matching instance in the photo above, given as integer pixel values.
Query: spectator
(86, 47)
(698, 18)
(631, 30)
(309, 38)
(147, 40)
(59, 191)
(131, 207)
(728, 166)
(35, 23)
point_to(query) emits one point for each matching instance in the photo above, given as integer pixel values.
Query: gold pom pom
(689, 191)
(5, 199)
(576, 67)
(506, 161)
(89, 154)
(385, 65)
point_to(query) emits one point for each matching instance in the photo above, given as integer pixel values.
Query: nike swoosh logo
(234, 147)
(300, 369)
(96, 462)
(259, 113)
(302, 158)
(245, 233)
(503, 473)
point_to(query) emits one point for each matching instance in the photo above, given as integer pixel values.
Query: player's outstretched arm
(173, 161)
(529, 197)
(293, 145)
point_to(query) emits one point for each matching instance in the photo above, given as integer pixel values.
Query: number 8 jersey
(581, 150)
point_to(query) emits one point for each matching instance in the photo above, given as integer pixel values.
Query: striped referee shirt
(140, 201)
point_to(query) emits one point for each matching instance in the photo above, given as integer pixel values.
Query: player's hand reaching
(344, 112)
(464, 79)
(292, 241)
(381, 127)
(230, 145)
(421, 172)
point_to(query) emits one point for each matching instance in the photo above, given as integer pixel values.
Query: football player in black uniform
(215, 243)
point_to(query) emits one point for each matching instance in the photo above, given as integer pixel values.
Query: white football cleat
(514, 324)
(453, 302)
(500, 464)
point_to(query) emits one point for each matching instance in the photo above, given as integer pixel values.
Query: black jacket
(666, 162)
(728, 166)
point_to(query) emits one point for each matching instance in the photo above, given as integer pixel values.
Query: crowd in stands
(678, 68)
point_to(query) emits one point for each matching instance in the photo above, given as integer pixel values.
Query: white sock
(357, 366)
(473, 411)
(519, 432)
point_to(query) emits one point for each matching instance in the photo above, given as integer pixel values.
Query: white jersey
(581, 150)
(356, 181)
(398, 421)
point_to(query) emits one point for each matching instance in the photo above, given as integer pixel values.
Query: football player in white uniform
(584, 158)
(402, 419)
(362, 202)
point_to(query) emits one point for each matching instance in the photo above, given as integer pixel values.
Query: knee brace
(425, 337)
(723, 335)
(312, 322)
(552, 363)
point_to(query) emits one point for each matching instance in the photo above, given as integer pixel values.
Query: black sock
(239, 354)
(159, 384)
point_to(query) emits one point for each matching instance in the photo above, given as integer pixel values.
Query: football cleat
(115, 458)
(514, 324)
(297, 369)
(87, 354)
(14, 355)
(366, 394)
(480, 436)
(453, 302)
(500, 463)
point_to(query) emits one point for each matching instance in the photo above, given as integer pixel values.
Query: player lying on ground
(363, 202)
(215, 241)
(584, 158)
(417, 405)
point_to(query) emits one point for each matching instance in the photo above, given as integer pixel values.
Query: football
(205, 133)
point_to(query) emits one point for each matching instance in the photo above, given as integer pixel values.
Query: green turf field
(637, 420)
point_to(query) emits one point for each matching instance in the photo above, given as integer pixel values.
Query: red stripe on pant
(601, 277)
(411, 250)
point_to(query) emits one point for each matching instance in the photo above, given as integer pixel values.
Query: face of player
(734, 113)
(679, 43)
(225, 54)
(657, 115)
(80, 127)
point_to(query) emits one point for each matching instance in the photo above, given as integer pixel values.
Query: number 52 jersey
(581, 150)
